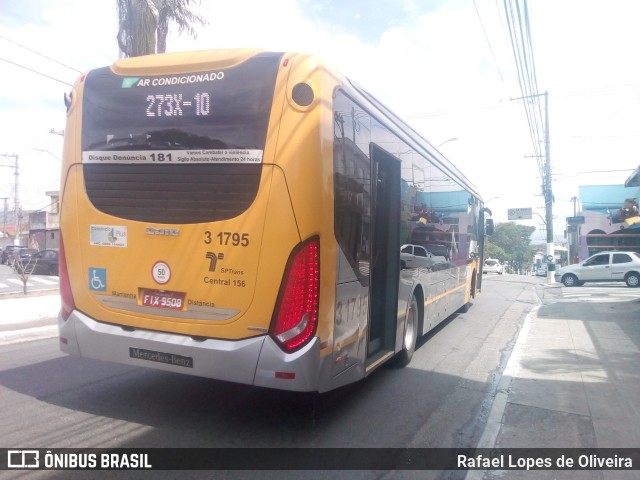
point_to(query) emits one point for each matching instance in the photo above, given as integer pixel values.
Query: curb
(28, 334)
(31, 293)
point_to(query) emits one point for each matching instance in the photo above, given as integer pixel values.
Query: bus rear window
(166, 147)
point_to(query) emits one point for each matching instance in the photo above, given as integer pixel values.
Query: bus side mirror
(489, 228)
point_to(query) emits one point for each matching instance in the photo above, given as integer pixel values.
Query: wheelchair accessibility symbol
(98, 279)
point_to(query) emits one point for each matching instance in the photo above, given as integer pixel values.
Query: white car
(491, 265)
(602, 267)
(416, 256)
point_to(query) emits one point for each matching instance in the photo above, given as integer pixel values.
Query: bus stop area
(572, 379)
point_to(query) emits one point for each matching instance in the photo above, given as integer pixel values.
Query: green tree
(513, 242)
(494, 251)
(144, 24)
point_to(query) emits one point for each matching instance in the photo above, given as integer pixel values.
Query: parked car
(7, 253)
(21, 256)
(44, 262)
(492, 265)
(541, 272)
(603, 267)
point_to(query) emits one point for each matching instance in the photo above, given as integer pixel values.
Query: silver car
(603, 267)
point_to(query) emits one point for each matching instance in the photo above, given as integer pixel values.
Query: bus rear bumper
(253, 361)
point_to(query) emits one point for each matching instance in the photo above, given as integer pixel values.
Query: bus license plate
(162, 299)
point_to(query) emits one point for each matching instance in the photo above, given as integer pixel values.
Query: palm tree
(144, 24)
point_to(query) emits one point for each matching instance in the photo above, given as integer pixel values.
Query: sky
(446, 67)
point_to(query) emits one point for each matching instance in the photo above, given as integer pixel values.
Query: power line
(597, 91)
(459, 111)
(35, 71)
(573, 174)
(525, 69)
(517, 20)
(522, 46)
(41, 54)
(495, 60)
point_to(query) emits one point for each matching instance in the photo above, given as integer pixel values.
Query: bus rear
(181, 247)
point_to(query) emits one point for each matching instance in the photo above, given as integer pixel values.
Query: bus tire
(472, 294)
(410, 334)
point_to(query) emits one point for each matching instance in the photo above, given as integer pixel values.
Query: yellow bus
(255, 217)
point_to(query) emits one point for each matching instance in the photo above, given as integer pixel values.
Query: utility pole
(548, 192)
(4, 216)
(573, 236)
(546, 185)
(16, 195)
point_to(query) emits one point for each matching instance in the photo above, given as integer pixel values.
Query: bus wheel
(472, 294)
(410, 334)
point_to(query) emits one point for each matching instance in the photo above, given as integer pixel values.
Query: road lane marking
(43, 281)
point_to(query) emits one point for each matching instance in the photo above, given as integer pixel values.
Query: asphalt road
(442, 399)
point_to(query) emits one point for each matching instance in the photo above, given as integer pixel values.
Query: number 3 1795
(227, 238)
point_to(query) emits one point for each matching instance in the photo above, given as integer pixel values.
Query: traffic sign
(519, 214)
(575, 220)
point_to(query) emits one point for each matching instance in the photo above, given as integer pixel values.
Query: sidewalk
(573, 380)
(30, 317)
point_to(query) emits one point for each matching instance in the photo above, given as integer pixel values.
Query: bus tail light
(295, 317)
(68, 305)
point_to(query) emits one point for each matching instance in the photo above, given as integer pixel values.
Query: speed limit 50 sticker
(161, 272)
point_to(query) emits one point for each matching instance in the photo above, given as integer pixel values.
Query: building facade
(608, 220)
(36, 229)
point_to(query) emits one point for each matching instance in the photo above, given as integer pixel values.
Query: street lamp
(452, 139)
(15, 198)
